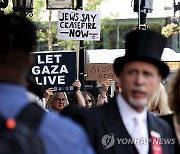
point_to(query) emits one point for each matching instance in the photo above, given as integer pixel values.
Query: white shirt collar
(128, 113)
(125, 108)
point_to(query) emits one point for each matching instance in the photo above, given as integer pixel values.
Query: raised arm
(80, 97)
(102, 96)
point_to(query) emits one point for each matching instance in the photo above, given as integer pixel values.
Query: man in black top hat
(124, 125)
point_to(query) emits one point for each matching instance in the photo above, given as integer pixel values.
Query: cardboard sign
(59, 4)
(100, 72)
(55, 70)
(79, 25)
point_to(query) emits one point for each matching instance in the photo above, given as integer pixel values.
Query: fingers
(77, 84)
(48, 93)
(108, 82)
(50, 89)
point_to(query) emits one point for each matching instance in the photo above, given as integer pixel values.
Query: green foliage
(42, 34)
(93, 5)
(155, 27)
(39, 7)
(67, 45)
(57, 44)
(9, 9)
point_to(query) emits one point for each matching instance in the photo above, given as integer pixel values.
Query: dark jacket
(169, 119)
(106, 120)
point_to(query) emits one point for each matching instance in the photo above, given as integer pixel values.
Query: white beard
(138, 102)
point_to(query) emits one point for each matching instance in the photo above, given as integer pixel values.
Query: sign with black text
(100, 72)
(79, 25)
(55, 69)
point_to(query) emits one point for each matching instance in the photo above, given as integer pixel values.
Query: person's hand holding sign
(80, 97)
(48, 93)
(102, 96)
(77, 84)
(106, 84)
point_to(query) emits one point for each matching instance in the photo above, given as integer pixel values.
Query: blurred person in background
(104, 97)
(89, 100)
(18, 39)
(173, 89)
(117, 87)
(84, 99)
(78, 101)
(36, 91)
(77, 94)
(48, 92)
(57, 101)
(158, 103)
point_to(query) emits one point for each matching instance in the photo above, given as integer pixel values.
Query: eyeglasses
(87, 101)
(58, 100)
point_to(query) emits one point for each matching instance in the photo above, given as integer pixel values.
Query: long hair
(91, 96)
(159, 101)
(174, 93)
(52, 97)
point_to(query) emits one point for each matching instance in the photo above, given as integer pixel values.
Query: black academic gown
(106, 120)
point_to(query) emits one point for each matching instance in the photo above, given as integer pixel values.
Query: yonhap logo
(108, 141)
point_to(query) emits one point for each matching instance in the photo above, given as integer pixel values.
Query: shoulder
(168, 118)
(98, 112)
(95, 111)
(62, 135)
(54, 120)
(158, 122)
(157, 119)
(92, 118)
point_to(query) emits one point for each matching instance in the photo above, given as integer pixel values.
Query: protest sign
(78, 25)
(55, 69)
(100, 72)
(59, 4)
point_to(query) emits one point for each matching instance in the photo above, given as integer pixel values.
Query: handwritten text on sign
(53, 69)
(78, 25)
(100, 72)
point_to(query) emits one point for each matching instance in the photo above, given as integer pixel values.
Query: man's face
(139, 80)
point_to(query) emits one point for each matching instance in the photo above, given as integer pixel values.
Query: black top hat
(143, 45)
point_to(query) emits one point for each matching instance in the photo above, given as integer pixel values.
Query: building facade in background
(118, 18)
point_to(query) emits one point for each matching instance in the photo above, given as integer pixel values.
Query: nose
(139, 79)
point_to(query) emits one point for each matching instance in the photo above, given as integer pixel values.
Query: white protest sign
(79, 25)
